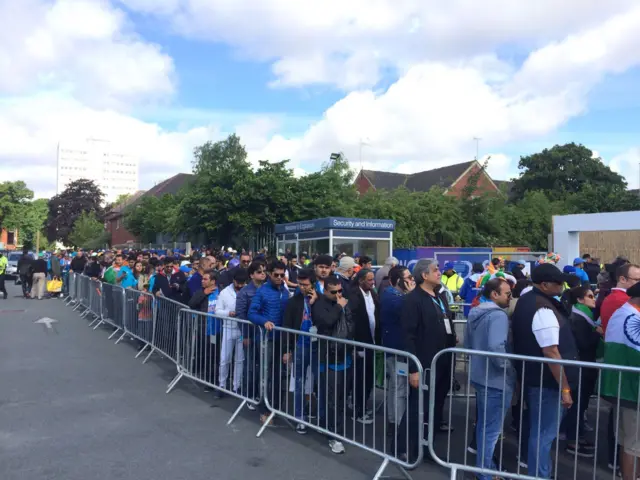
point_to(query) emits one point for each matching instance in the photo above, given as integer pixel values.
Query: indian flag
(622, 347)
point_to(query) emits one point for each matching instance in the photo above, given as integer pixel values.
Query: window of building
(11, 238)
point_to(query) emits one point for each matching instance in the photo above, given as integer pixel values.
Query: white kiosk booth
(567, 228)
(334, 235)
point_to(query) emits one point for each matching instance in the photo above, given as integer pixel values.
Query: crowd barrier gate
(544, 419)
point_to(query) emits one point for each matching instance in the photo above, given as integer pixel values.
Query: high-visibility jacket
(453, 283)
(3, 264)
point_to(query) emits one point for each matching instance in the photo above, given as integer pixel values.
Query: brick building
(114, 218)
(453, 178)
(9, 239)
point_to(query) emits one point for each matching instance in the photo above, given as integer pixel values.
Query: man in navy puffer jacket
(391, 302)
(267, 310)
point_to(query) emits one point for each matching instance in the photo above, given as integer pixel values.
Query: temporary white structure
(567, 229)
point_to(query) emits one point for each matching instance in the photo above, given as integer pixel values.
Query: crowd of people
(546, 314)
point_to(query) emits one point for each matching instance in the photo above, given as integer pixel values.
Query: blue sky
(300, 80)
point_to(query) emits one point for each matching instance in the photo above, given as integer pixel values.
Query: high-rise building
(113, 170)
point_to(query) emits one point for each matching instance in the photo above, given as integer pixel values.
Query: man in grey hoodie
(493, 378)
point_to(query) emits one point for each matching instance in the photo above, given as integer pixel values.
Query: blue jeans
(544, 406)
(304, 357)
(495, 402)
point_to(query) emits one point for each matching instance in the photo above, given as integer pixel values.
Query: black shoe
(580, 451)
(218, 395)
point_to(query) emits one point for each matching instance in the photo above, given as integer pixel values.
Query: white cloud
(627, 164)
(348, 43)
(85, 47)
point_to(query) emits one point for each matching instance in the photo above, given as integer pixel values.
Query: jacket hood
(478, 312)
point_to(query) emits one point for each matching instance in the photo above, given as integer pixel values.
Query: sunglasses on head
(278, 275)
(334, 292)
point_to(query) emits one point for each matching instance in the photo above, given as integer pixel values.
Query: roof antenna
(477, 140)
(361, 144)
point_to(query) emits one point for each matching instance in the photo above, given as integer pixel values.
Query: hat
(185, 269)
(448, 266)
(522, 261)
(577, 261)
(356, 255)
(185, 263)
(234, 263)
(323, 260)
(548, 272)
(634, 292)
(346, 263)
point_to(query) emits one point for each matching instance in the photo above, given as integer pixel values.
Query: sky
(396, 85)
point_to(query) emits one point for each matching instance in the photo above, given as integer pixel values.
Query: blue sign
(338, 223)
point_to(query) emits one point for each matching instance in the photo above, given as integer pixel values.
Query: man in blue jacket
(391, 301)
(267, 310)
(578, 264)
(257, 275)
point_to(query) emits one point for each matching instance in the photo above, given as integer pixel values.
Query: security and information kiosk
(334, 235)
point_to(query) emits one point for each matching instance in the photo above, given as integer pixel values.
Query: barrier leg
(94, 321)
(235, 414)
(174, 382)
(383, 467)
(146, 359)
(266, 423)
(98, 324)
(115, 332)
(142, 350)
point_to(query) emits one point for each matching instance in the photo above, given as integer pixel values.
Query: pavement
(74, 406)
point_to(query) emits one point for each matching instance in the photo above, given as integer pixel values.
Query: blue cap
(185, 269)
(522, 261)
(569, 269)
(577, 261)
(448, 266)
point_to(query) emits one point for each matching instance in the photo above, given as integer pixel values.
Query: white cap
(184, 263)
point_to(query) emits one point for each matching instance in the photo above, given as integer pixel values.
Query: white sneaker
(336, 446)
(522, 463)
(364, 419)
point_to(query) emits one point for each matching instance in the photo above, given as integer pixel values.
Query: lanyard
(439, 304)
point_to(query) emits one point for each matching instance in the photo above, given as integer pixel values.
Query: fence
(504, 381)
(237, 358)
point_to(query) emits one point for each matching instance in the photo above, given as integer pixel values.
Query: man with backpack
(332, 318)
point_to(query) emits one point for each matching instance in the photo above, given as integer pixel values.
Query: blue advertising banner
(341, 223)
(406, 257)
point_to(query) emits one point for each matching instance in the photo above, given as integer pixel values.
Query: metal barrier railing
(165, 329)
(528, 387)
(83, 291)
(212, 350)
(139, 317)
(343, 373)
(112, 308)
(71, 288)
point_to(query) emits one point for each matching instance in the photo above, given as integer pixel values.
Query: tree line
(227, 201)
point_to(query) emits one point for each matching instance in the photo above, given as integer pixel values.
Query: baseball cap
(185, 263)
(448, 266)
(548, 272)
(522, 261)
(577, 261)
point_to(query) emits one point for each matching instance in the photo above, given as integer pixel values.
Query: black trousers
(333, 382)
(442, 385)
(25, 283)
(364, 379)
(3, 289)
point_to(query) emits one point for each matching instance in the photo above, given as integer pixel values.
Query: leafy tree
(14, 199)
(152, 215)
(564, 170)
(64, 209)
(32, 221)
(87, 232)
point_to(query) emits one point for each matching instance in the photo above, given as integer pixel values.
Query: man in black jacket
(427, 330)
(297, 316)
(25, 271)
(332, 317)
(365, 308)
(78, 263)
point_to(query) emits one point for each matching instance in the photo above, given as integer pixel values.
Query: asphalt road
(74, 406)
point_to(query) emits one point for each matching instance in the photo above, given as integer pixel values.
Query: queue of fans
(549, 313)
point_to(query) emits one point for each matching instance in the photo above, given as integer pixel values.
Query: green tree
(33, 221)
(88, 231)
(14, 200)
(64, 209)
(151, 216)
(564, 170)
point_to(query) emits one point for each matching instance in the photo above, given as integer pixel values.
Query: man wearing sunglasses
(333, 318)
(267, 310)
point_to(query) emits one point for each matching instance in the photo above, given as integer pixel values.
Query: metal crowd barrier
(82, 292)
(213, 350)
(71, 289)
(139, 317)
(336, 374)
(112, 307)
(95, 301)
(539, 419)
(165, 329)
